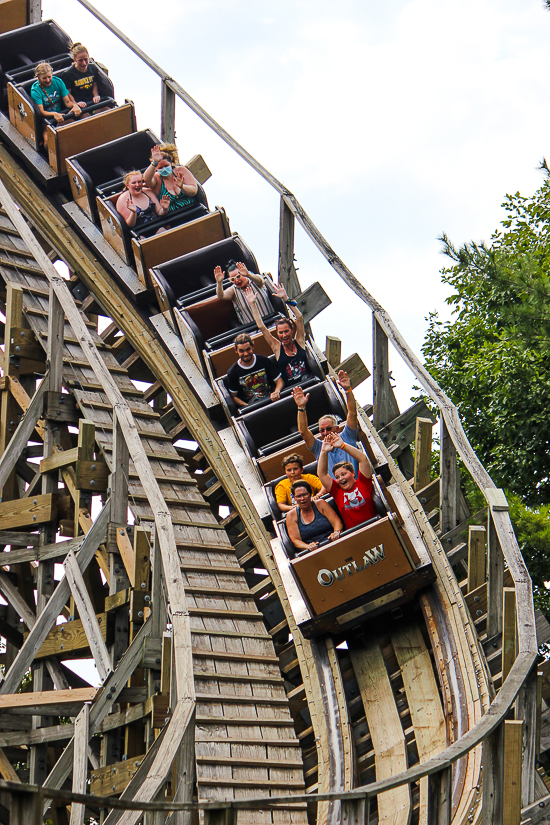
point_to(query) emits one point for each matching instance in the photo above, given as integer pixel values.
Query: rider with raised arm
(241, 279)
(352, 493)
(167, 179)
(289, 345)
(329, 424)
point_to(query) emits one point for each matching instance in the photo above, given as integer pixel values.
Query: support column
(287, 273)
(168, 115)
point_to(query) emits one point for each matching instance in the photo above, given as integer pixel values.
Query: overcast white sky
(390, 122)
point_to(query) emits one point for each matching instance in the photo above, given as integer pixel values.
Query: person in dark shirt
(252, 377)
(289, 345)
(81, 78)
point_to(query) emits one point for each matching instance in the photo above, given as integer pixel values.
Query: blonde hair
(170, 152)
(42, 68)
(77, 48)
(131, 175)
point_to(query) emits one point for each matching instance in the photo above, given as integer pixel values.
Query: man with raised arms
(329, 424)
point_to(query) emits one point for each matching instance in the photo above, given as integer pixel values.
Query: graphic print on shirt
(255, 384)
(294, 371)
(353, 499)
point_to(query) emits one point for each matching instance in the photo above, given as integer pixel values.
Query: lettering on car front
(327, 577)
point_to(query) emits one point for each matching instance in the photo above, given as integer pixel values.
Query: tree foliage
(493, 360)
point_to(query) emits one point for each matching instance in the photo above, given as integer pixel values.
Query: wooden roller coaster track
(212, 702)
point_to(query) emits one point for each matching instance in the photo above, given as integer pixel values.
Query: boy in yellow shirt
(293, 466)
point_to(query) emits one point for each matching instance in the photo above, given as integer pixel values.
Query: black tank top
(145, 215)
(293, 368)
(317, 530)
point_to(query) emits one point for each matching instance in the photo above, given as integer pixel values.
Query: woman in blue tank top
(168, 180)
(311, 522)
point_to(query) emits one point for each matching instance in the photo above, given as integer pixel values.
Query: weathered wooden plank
(385, 728)
(69, 637)
(513, 743)
(423, 699)
(477, 557)
(422, 453)
(333, 350)
(46, 699)
(23, 432)
(113, 778)
(28, 512)
(59, 460)
(80, 762)
(509, 630)
(95, 627)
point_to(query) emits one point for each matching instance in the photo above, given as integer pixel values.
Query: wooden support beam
(527, 711)
(53, 608)
(80, 762)
(60, 460)
(199, 169)
(354, 811)
(495, 579)
(112, 779)
(509, 630)
(333, 351)
(287, 272)
(450, 482)
(126, 551)
(46, 700)
(22, 433)
(440, 793)
(422, 453)
(142, 559)
(312, 301)
(28, 512)
(69, 637)
(356, 369)
(21, 397)
(513, 743)
(493, 777)
(94, 633)
(167, 114)
(8, 408)
(385, 405)
(477, 556)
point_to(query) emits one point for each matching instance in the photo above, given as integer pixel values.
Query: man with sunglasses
(329, 424)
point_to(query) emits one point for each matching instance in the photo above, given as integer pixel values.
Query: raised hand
(299, 397)
(343, 380)
(218, 274)
(242, 269)
(327, 446)
(335, 439)
(165, 204)
(250, 295)
(179, 178)
(156, 154)
(280, 292)
(130, 206)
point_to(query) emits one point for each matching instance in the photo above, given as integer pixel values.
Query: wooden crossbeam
(46, 700)
(23, 432)
(28, 512)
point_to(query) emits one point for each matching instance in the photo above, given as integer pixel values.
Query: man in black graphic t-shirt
(252, 377)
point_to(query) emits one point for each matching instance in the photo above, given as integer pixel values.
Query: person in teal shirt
(49, 92)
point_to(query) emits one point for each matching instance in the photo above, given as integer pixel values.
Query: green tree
(493, 360)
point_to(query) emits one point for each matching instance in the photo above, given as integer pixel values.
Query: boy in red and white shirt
(353, 495)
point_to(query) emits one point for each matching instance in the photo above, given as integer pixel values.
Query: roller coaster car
(369, 570)
(23, 49)
(317, 375)
(73, 134)
(273, 428)
(99, 172)
(187, 229)
(13, 15)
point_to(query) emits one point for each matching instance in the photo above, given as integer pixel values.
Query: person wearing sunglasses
(329, 424)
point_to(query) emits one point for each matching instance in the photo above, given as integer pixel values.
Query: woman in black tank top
(289, 345)
(310, 522)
